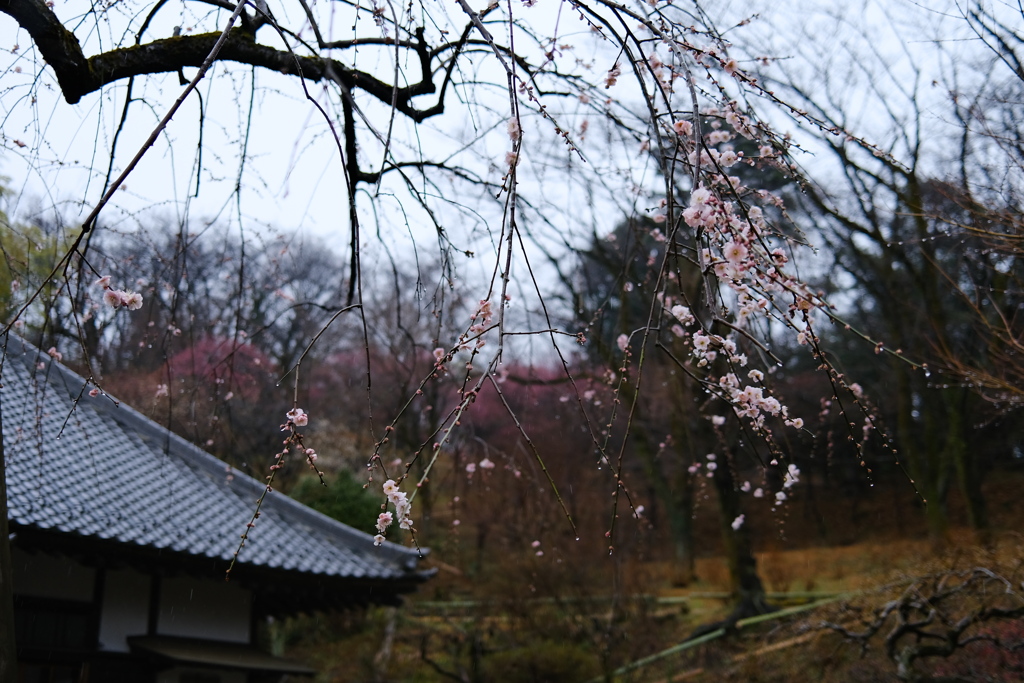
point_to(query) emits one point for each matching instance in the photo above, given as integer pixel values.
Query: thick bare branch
(79, 75)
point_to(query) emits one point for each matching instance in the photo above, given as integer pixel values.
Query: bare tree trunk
(966, 469)
(925, 461)
(681, 512)
(747, 589)
(676, 494)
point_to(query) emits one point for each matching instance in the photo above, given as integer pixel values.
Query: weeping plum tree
(500, 136)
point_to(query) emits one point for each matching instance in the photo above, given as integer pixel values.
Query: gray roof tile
(114, 474)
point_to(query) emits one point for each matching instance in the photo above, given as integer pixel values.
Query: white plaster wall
(45, 576)
(125, 608)
(187, 675)
(204, 608)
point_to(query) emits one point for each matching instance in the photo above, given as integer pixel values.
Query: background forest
(605, 497)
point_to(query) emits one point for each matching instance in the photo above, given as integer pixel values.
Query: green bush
(344, 499)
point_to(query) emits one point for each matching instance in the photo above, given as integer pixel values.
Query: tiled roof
(101, 470)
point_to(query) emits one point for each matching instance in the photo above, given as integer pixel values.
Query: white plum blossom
(683, 128)
(701, 342)
(403, 507)
(791, 477)
(514, 131)
(116, 298)
(682, 314)
(771, 405)
(298, 417)
(378, 539)
(735, 252)
(716, 137)
(738, 522)
(622, 342)
(750, 394)
(131, 300)
(700, 196)
(486, 464)
(729, 158)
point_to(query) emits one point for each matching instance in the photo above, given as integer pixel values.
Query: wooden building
(121, 533)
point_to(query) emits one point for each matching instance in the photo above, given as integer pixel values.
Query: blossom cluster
(403, 508)
(789, 480)
(747, 400)
(117, 298)
(296, 417)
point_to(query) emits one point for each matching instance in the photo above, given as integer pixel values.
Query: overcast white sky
(55, 154)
